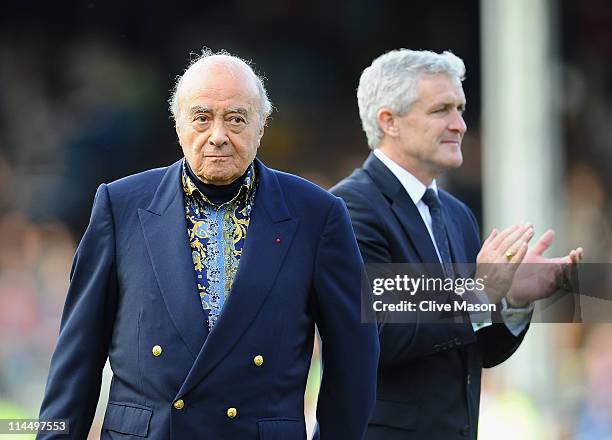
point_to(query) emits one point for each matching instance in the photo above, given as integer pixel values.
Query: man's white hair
(265, 106)
(391, 81)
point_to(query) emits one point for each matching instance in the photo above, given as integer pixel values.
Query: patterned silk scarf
(216, 235)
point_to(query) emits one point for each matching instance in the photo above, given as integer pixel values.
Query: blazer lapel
(462, 267)
(262, 258)
(165, 231)
(412, 222)
(404, 209)
(453, 230)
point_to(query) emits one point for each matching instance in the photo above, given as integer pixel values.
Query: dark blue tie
(430, 198)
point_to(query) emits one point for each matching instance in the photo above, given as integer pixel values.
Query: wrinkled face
(430, 134)
(218, 122)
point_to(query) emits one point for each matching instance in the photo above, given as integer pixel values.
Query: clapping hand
(539, 277)
(499, 258)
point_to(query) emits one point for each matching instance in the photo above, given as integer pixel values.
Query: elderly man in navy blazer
(411, 105)
(202, 283)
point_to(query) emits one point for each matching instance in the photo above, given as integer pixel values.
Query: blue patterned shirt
(216, 236)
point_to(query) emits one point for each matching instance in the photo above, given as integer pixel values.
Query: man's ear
(387, 121)
(261, 133)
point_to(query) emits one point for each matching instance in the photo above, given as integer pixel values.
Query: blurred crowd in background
(83, 101)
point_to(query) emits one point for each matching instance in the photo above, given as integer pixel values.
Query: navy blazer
(429, 373)
(133, 287)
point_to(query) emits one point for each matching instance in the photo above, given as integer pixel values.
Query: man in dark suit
(202, 283)
(411, 105)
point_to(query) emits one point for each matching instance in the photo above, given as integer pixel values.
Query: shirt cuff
(480, 320)
(516, 319)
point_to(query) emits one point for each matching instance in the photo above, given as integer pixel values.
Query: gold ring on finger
(509, 256)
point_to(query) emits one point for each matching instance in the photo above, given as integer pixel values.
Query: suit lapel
(262, 258)
(165, 232)
(455, 242)
(412, 222)
(404, 209)
(453, 230)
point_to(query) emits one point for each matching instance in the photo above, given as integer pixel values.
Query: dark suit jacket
(429, 374)
(133, 287)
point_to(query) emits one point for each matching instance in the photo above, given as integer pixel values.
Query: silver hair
(265, 106)
(391, 81)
